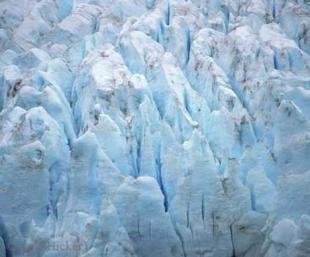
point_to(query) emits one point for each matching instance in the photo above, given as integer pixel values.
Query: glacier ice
(149, 128)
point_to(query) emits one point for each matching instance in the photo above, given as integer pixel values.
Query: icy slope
(155, 128)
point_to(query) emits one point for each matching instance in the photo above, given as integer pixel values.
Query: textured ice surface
(155, 128)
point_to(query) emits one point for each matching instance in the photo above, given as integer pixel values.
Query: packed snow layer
(155, 128)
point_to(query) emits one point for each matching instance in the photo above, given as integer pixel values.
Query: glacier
(155, 128)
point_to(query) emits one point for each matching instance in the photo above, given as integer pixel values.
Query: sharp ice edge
(154, 128)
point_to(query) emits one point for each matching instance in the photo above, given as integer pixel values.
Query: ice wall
(154, 128)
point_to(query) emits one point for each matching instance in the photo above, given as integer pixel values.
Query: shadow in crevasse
(5, 238)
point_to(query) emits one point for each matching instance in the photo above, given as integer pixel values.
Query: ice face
(154, 128)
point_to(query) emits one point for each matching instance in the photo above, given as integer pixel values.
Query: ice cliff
(155, 128)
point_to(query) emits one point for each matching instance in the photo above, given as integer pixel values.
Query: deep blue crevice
(275, 62)
(232, 241)
(273, 9)
(188, 45)
(168, 15)
(160, 182)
